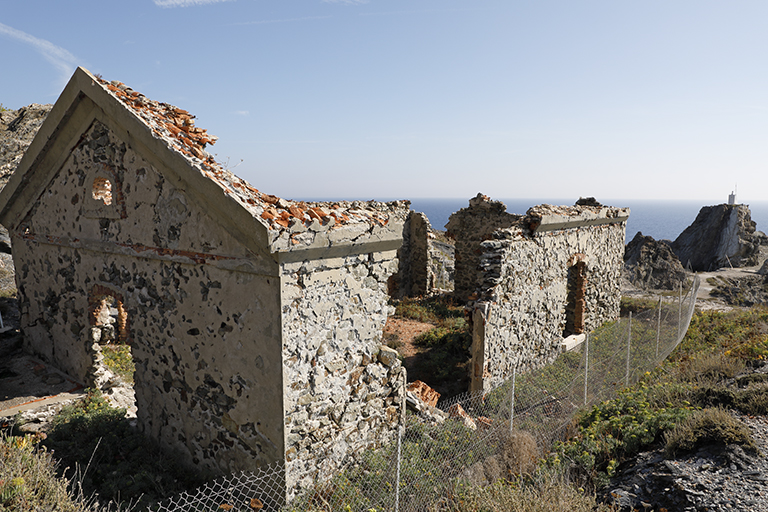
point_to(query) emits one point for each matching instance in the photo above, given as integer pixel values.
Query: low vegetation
(677, 407)
(680, 405)
(444, 361)
(99, 449)
(117, 357)
(28, 477)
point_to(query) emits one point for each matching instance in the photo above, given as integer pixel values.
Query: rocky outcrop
(649, 263)
(17, 129)
(744, 291)
(721, 236)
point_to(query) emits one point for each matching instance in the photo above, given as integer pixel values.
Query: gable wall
(203, 312)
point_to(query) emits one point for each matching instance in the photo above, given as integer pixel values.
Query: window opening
(575, 309)
(102, 190)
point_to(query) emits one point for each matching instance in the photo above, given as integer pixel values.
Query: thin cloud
(185, 3)
(63, 61)
(285, 20)
(346, 2)
(420, 11)
(242, 112)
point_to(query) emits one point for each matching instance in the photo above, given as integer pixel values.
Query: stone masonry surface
(527, 301)
(469, 227)
(344, 390)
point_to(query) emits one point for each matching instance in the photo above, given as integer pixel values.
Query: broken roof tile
(177, 128)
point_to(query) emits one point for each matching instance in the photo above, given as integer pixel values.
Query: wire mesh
(471, 439)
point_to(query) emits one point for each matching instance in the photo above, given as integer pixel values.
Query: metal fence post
(679, 308)
(586, 366)
(512, 400)
(629, 348)
(658, 331)
(397, 482)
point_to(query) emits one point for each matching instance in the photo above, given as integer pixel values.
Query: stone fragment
(388, 356)
(456, 411)
(425, 393)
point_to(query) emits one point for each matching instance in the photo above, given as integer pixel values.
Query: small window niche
(102, 190)
(103, 196)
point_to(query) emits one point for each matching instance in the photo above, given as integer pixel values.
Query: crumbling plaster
(205, 340)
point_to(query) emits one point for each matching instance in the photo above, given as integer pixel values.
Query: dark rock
(743, 291)
(652, 264)
(588, 201)
(721, 236)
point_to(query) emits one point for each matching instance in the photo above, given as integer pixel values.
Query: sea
(661, 219)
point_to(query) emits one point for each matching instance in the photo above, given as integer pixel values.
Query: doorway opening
(109, 344)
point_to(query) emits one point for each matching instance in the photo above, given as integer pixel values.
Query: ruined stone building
(426, 261)
(254, 322)
(534, 280)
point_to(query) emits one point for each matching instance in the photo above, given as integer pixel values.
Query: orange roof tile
(177, 127)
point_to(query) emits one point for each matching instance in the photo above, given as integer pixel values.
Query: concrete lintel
(235, 264)
(339, 251)
(552, 222)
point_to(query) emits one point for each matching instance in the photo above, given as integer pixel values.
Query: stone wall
(556, 272)
(343, 390)
(469, 227)
(426, 259)
(205, 337)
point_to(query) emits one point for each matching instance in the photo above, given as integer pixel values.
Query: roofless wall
(539, 277)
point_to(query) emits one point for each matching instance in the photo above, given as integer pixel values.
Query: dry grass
(28, 478)
(543, 492)
(711, 369)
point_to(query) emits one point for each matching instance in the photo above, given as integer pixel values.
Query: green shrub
(435, 310)
(629, 304)
(616, 429)
(708, 426)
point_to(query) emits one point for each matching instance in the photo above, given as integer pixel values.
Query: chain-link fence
(472, 439)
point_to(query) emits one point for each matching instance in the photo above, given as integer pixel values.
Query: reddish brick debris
(177, 127)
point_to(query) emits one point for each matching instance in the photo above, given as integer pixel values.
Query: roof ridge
(176, 126)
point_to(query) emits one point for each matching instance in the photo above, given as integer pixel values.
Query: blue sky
(433, 98)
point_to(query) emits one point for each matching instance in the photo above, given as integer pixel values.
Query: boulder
(650, 263)
(721, 236)
(17, 129)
